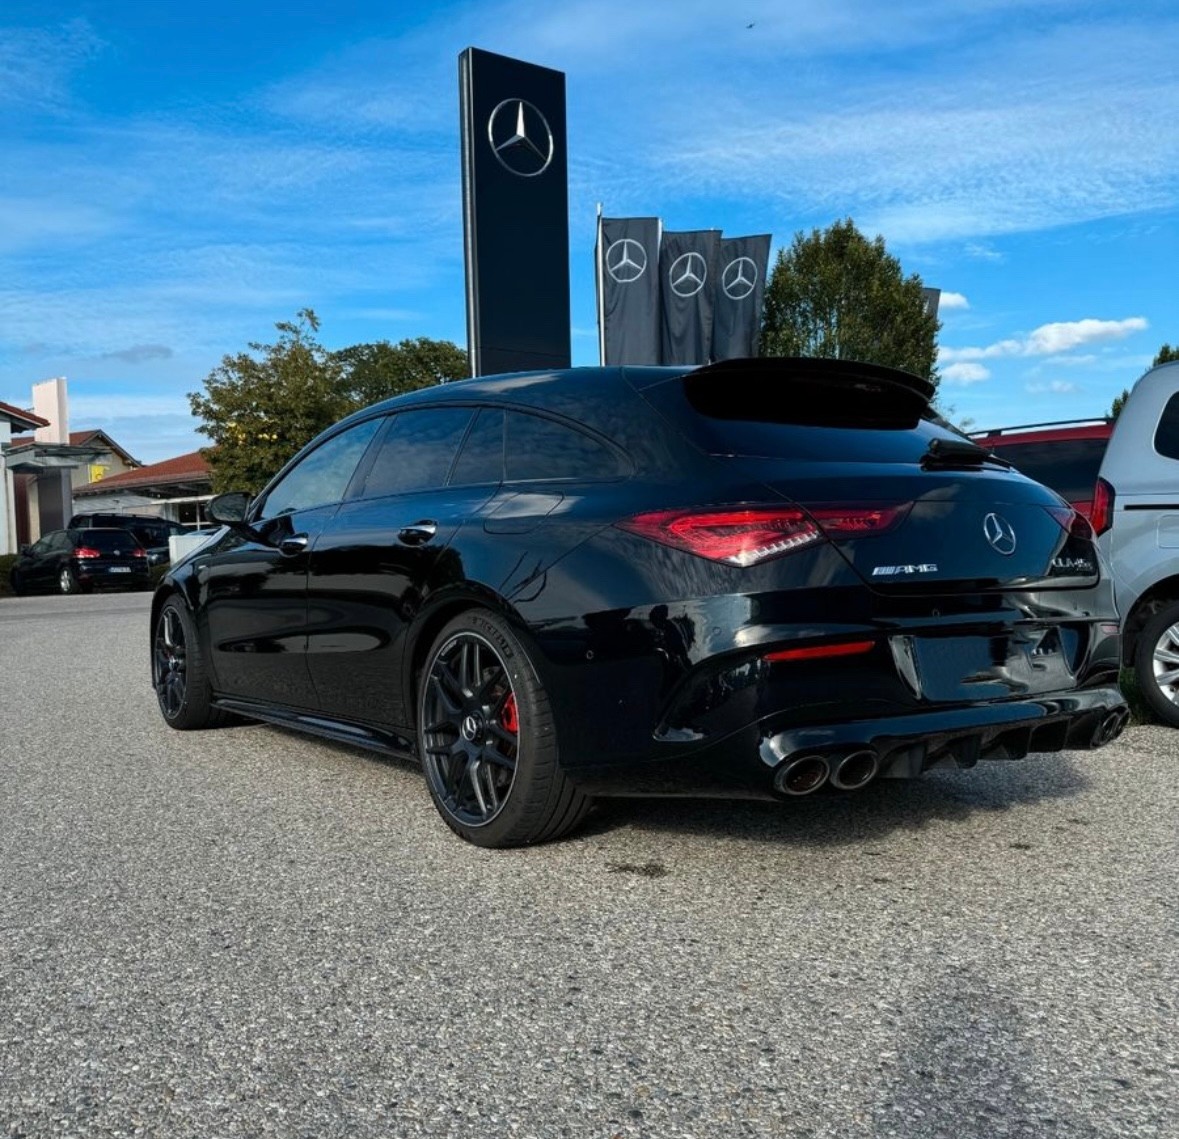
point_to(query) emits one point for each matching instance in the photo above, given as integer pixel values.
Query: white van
(1136, 516)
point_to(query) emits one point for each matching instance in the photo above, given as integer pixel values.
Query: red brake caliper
(508, 717)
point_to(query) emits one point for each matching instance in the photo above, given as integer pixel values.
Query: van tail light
(1103, 506)
(1072, 522)
(87, 552)
(747, 536)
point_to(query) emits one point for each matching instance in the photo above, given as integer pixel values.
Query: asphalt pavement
(246, 932)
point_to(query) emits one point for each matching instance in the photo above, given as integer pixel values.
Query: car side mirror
(25, 548)
(229, 509)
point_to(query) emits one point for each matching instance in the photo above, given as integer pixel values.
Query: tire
(16, 583)
(487, 739)
(1156, 663)
(66, 582)
(178, 672)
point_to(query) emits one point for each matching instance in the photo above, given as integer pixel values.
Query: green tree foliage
(836, 294)
(259, 407)
(1166, 355)
(377, 371)
(1119, 402)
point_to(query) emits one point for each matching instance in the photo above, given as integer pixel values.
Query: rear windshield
(1068, 466)
(108, 540)
(759, 417)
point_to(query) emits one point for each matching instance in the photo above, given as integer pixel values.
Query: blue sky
(174, 178)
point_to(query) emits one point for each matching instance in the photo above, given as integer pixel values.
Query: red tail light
(1072, 522)
(87, 552)
(138, 553)
(745, 536)
(739, 537)
(1103, 504)
(817, 652)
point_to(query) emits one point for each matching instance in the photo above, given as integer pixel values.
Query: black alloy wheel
(178, 672)
(67, 582)
(487, 739)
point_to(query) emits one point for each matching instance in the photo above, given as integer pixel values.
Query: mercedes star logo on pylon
(687, 274)
(1000, 533)
(520, 138)
(626, 260)
(739, 278)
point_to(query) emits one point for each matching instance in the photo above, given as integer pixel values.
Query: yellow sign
(97, 471)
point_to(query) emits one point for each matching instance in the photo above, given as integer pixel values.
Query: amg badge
(891, 571)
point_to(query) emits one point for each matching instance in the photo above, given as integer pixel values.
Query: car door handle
(293, 545)
(418, 533)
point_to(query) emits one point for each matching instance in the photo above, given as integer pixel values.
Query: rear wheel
(1156, 663)
(178, 672)
(66, 582)
(487, 738)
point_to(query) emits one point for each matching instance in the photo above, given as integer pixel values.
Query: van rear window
(107, 540)
(1068, 466)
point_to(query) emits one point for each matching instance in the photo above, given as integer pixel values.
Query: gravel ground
(246, 932)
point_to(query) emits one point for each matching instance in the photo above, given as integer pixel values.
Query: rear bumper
(751, 763)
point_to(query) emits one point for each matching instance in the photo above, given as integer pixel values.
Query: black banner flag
(627, 257)
(687, 266)
(737, 296)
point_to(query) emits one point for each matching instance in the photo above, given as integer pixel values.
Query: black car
(75, 561)
(757, 578)
(150, 532)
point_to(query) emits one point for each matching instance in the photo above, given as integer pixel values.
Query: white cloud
(965, 374)
(952, 301)
(1049, 339)
(1055, 387)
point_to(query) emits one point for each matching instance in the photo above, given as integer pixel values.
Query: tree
(1166, 355)
(260, 409)
(261, 406)
(377, 371)
(1119, 402)
(836, 294)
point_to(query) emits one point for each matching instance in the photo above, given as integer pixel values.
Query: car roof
(1045, 432)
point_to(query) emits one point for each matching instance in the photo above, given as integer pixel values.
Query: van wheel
(1156, 663)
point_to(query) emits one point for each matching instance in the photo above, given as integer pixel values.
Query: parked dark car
(754, 579)
(1065, 455)
(76, 561)
(150, 532)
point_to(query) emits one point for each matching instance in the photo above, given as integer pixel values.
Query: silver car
(1136, 516)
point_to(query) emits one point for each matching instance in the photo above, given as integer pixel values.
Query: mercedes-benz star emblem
(739, 278)
(687, 274)
(1000, 533)
(520, 138)
(626, 260)
(470, 727)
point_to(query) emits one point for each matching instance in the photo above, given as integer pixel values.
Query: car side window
(322, 476)
(481, 461)
(417, 451)
(43, 546)
(539, 448)
(1166, 435)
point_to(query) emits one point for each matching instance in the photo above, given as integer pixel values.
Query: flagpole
(599, 282)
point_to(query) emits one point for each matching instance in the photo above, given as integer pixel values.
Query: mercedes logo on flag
(739, 278)
(687, 274)
(520, 138)
(626, 260)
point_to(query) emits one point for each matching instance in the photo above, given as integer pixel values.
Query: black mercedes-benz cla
(759, 578)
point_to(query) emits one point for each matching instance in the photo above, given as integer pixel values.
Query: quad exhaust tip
(855, 770)
(1111, 726)
(801, 776)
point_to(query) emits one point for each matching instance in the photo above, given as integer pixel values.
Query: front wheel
(487, 738)
(1156, 663)
(178, 672)
(16, 583)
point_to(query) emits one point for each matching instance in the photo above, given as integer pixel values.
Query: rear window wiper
(959, 453)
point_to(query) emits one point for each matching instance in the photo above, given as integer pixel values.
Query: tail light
(1072, 522)
(747, 536)
(138, 553)
(1103, 504)
(87, 552)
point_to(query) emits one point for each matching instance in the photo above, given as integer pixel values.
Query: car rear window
(765, 416)
(108, 540)
(1068, 466)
